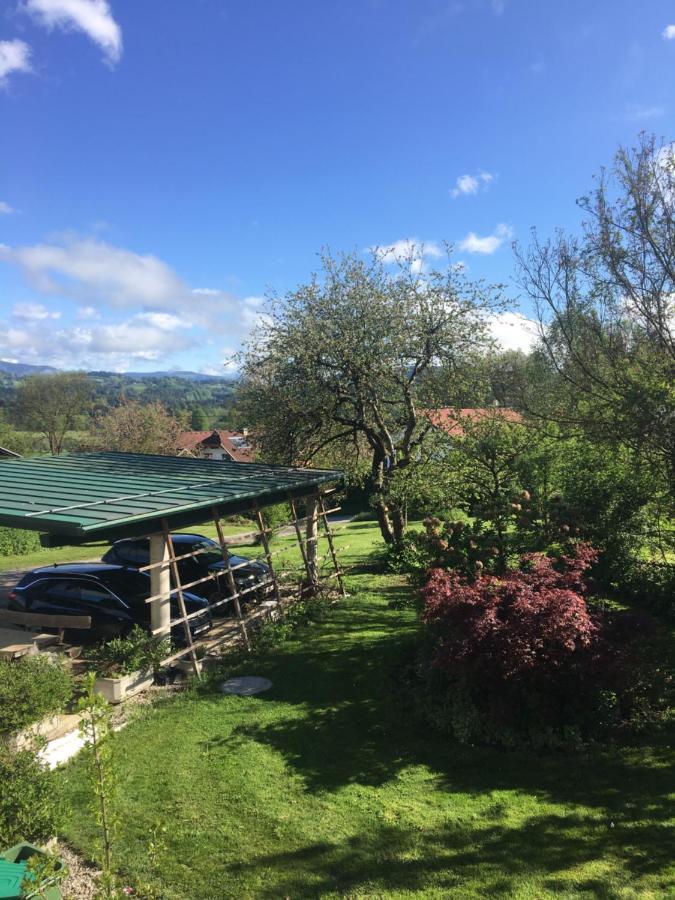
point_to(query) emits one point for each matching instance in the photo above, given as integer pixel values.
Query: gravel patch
(80, 883)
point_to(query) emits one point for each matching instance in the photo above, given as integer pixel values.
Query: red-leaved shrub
(532, 620)
(519, 658)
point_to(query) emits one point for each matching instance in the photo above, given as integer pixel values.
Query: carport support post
(160, 585)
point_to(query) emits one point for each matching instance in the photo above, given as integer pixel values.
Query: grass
(321, 788)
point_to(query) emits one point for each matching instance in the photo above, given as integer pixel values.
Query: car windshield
(213, 553)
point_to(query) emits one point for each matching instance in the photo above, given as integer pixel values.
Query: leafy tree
(199, 420)
(17, 441)
(53, 405)
(347, 364)
(133, 427)
(606, 302)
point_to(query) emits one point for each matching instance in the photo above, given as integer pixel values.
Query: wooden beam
(215, 512)
(181, 599)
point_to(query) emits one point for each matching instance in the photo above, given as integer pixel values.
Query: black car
(113, 596)
(248, 573)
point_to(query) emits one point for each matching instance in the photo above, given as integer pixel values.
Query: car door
(60, 597)
(110, 617)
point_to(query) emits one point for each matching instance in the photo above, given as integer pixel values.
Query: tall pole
(160, 585)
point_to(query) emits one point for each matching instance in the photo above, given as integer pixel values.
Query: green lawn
(321, 788)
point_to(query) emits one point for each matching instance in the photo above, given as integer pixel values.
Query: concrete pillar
(311, 537)
(160, 583)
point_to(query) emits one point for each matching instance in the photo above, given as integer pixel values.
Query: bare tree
(606, 303)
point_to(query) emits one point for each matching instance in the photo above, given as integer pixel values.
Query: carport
(88, 497)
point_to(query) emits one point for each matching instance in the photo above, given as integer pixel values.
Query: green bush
(30, 689)
(277, 515)
(650, 584)
(14, 541)
(30, 804)
(122, 656)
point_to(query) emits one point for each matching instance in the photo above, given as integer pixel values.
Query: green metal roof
(92, 496)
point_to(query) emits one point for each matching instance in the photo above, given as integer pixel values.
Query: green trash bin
(13, 863)
(11, 876)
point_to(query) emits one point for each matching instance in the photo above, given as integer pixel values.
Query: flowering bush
(520, 657)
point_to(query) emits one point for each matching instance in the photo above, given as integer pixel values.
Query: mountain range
(20, 370)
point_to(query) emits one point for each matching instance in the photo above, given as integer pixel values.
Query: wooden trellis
(283, 592)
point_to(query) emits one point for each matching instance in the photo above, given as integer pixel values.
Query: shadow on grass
(353, 731)
(457, 857)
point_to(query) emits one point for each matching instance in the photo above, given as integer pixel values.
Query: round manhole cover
(246, 685)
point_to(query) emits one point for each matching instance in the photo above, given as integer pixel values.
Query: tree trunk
(379, 501)
(384, 521)
(398, 523)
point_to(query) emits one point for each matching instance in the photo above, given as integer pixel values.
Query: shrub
(30, 689)
(14, 541)
(122, 656)
(651, 584)
(519, 658)
(459, 545)
(276, 515)
(30, 808)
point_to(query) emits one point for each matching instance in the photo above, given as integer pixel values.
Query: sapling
(95, 728)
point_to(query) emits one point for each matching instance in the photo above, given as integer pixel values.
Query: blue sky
(163, 163)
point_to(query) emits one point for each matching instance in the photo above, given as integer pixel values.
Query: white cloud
(93, 17)
(14, 57)
(166, 315)
(162, 321)
(489, 244)
(106, 346)
(34, 312)
(668, 33)
(87, 312)
(408, 251)
(6, 209)
(98, 271)
(471, 184)
(514, 331)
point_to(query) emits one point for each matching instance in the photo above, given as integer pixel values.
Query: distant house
(452, 420)
(232, 445)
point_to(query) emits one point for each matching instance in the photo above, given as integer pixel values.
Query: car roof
(180, 538)
(81, 569)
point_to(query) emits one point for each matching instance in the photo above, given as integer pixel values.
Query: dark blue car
(251, 577)
(113, 596)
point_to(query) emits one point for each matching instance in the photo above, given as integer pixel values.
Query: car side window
(92, 593)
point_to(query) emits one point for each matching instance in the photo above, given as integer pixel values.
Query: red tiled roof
(234, 442)
(450, 418)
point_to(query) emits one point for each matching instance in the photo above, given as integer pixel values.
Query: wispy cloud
(14, 57)
(34, 312)
(6, 209)
(668, 33)
(93, 269)
(93, 17)
(471, 184)
(636, 112)
(488, 244)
